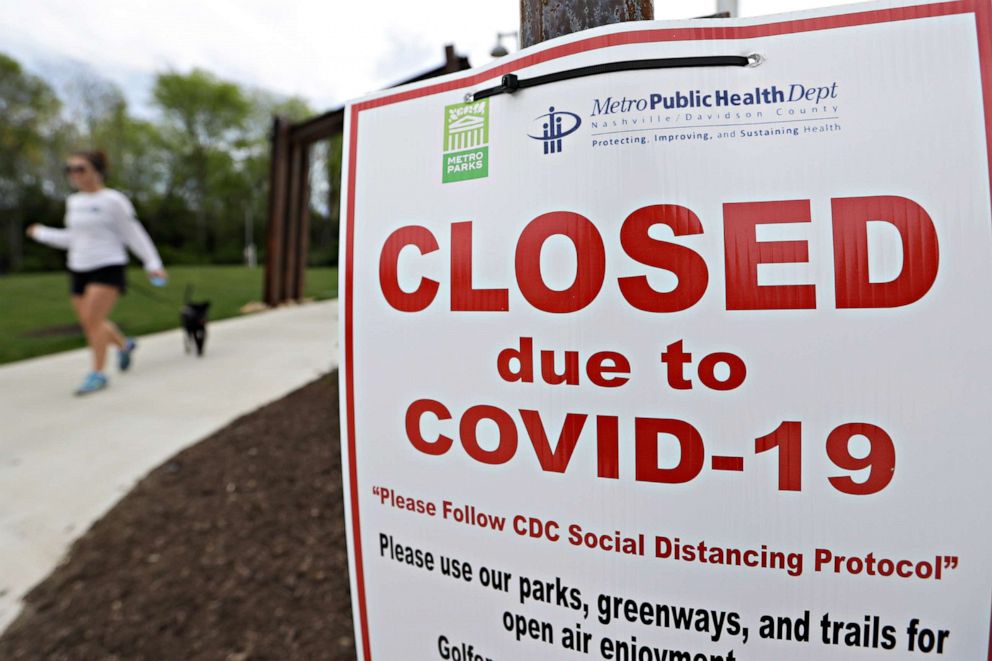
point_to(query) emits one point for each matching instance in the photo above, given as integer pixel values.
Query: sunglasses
(74, 169)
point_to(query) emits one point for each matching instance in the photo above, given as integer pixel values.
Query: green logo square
(466, 141)
(468, 164)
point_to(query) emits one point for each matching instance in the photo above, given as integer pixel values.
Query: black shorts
(105, 275)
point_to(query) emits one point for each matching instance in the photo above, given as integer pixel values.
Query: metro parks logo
(466, 141)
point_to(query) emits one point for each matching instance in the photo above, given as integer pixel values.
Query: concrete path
(65, 461)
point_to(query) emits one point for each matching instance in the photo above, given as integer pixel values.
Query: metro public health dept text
(793, 93)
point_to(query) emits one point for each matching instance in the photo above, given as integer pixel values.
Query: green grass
(35, 310)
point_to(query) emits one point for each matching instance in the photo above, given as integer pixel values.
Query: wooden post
(279, 172)
(288, 230)
(541, 20)
(298, 169)
(301, 223)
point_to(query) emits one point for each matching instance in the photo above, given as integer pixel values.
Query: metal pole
(728, 6)
(541, 20)
(251, 257)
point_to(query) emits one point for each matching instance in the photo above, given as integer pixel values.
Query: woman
(100, 224)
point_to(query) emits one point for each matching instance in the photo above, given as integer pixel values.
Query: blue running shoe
(94, 381)
(124, 355)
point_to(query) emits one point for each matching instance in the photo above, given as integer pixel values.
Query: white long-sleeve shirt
(99, 227)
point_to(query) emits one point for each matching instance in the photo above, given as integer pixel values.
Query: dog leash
(149, 294)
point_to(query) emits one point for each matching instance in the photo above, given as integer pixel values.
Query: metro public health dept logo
(466, 141)
(555, 125)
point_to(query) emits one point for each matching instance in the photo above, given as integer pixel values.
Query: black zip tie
(510, 82)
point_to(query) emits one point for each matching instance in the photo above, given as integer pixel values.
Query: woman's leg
(114, 333)
(97, 302)
(77, 306)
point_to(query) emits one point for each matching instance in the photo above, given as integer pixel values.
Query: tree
(265, 106)
(205, 119)
(196, 174)
(29, 115)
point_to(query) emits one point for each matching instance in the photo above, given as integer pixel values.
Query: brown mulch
(232, 550)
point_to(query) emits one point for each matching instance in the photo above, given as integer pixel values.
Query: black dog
(194, 318)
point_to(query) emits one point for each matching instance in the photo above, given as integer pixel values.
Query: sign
(679, 363)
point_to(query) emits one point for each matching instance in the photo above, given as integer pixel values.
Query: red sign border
(982, 9)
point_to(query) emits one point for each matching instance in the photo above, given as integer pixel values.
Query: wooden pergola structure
(289, 190)
(287, 241)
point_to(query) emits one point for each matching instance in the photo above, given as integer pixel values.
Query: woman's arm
(135, 237)
(50, 236)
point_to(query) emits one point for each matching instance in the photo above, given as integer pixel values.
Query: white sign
(677, 363)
